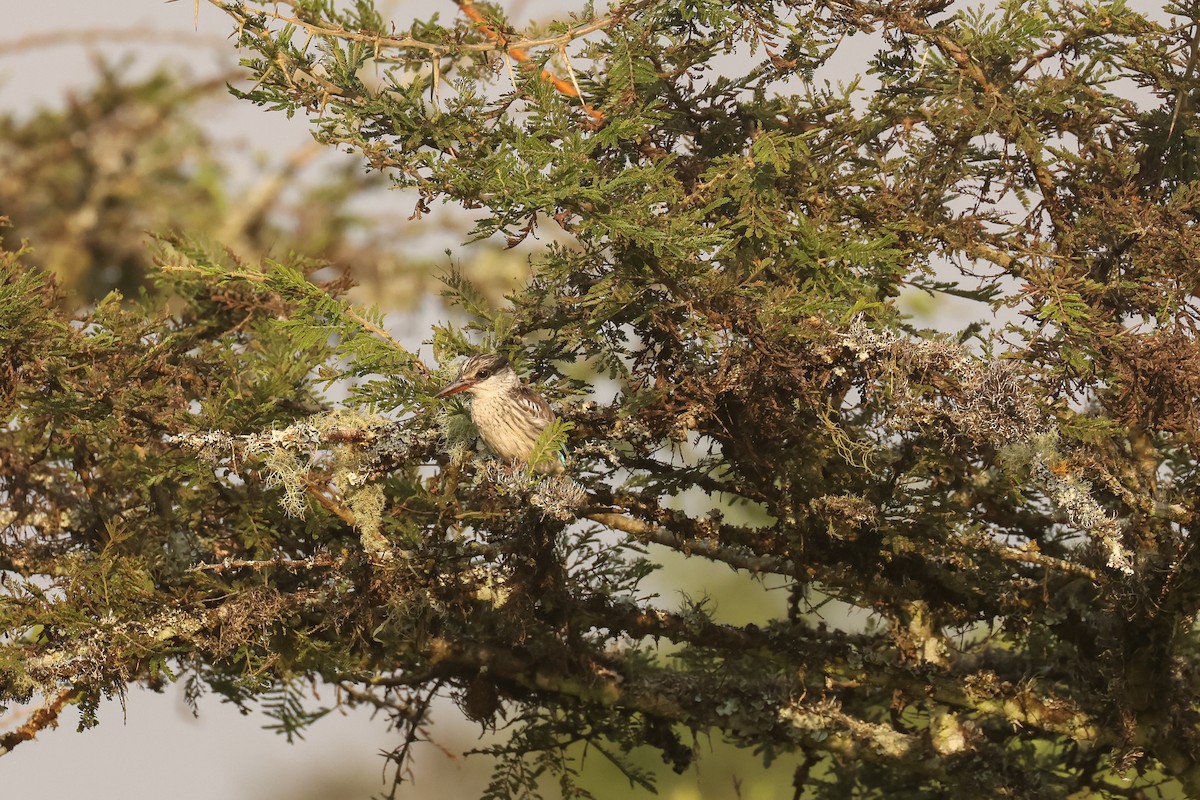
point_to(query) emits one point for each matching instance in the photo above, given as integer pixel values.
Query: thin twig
(319, 561)
(518, 52)
(39, 720)
(95, 36)
(408, 42)
(656, 534)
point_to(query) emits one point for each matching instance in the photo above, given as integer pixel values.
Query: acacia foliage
(1013, 504)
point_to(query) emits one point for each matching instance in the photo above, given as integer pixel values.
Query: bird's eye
(483, 373)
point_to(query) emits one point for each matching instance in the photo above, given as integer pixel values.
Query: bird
(508, 414)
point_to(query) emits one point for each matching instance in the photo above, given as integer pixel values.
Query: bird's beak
(454, 388)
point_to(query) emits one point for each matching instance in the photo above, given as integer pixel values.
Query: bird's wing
(535, 404)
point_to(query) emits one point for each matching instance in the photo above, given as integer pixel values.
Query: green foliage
(550, 442)
(286, 705)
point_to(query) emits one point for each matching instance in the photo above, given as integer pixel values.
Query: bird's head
(482, 374)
